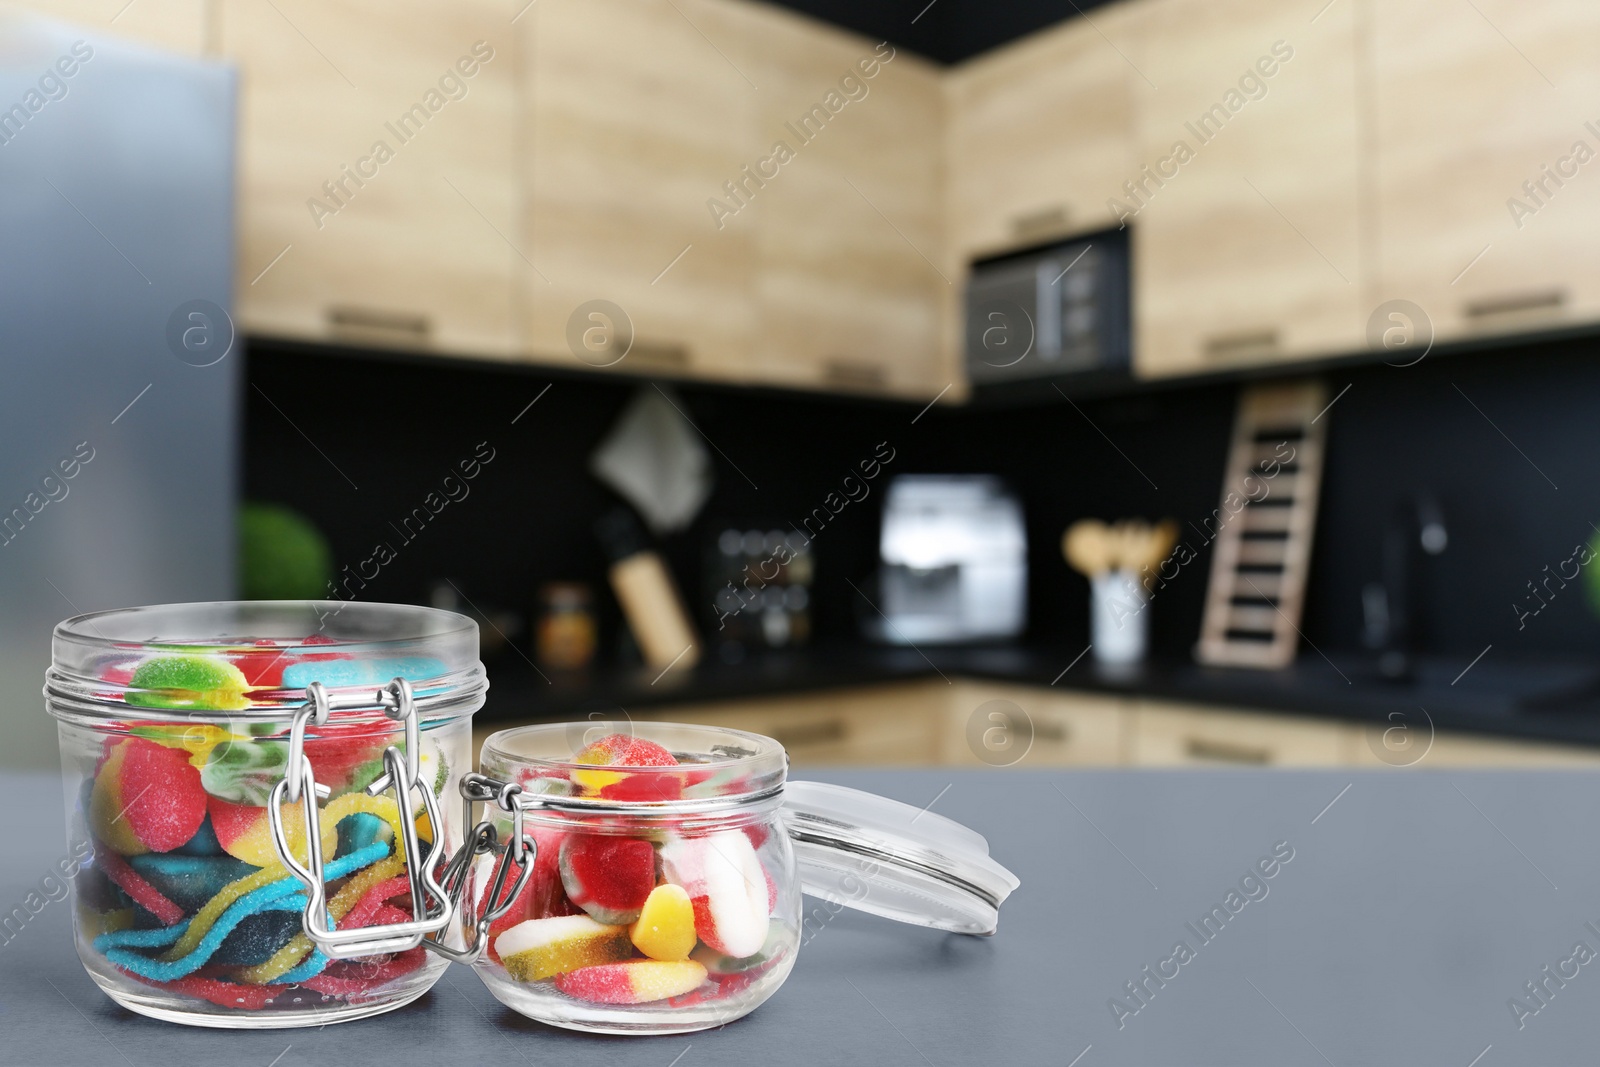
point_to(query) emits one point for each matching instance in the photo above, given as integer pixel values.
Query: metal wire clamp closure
(484, 840)
(430, 904)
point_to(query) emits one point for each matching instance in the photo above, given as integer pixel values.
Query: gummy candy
(146, 797)
(632, 981)
(541, 948)
(185, 682)
(342, 672)
(623, 750)
(138, 890)
(727, 885)
(665, 928)
(608, 876)
(188, 881)
(542, 897)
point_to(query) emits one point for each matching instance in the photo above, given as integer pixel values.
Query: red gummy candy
(152, 789)
(367, 909)
(622, 750)
(139, 891)
(607, 876)
(215, 991)
(543, 896)
(351, 979)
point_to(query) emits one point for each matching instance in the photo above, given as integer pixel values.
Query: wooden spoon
(1087, 545)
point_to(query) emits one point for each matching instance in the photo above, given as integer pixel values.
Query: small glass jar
(667, 898)
(191, 737)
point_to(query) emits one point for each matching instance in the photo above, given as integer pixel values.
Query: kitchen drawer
(1069, 729)
(1169, 735)
(1471, 750)
(894, 724)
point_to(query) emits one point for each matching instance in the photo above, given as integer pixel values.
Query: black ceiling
(945, 30)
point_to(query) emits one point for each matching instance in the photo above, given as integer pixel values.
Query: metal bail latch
(431, 905)
(482, 841)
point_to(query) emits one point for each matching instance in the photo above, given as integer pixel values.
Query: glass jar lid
(881, 856)
(254, 659)
(640, 767)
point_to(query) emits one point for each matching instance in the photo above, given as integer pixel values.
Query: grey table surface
(1416, 905)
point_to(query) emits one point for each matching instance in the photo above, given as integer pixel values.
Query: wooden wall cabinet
(376, 187)
(849, 232)
(635, 114)
(1040, 136)
(1246, 226)
(1469, 103)
(183, 26)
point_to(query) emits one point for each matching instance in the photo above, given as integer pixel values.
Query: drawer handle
(1544, 300)
(373, 324)
(1056, 733)
(1252, 343)
(1040, 225)
(663, 354)
(811, 733)
(1222, 752)
(853, 374)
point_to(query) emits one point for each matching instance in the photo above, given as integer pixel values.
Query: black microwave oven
(1056, 310)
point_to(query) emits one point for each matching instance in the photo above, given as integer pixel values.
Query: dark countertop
(1537, 700)
(1395, 934)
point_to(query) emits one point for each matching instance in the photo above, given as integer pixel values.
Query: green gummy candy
(244, 772)
(188, 682)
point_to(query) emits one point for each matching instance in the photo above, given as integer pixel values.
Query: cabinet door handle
(1243, 345)
(1213, 751)
(656, 355)
(374, 324)
(1040, 225)
(1542, 301)
(853, 374)
(810, 733)
(1056, 733)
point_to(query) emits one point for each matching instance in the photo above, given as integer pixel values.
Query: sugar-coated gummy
(727, 885)
(208, 682)
(632, 981)
(146, 798)
(607, 875)
(665, 929)
(543, 948)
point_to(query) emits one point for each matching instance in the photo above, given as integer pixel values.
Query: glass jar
(191, 737)
(666, 898)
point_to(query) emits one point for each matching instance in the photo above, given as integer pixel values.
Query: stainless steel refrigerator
(119, 371)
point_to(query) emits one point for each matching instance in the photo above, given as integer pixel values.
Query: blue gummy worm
(285, 895)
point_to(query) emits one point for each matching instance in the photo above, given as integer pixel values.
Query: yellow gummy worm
(289, 956)
(340, 808)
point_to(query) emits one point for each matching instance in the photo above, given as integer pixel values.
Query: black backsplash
(356, 441)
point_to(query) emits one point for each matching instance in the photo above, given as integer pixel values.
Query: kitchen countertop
(1548, 701)
(1408, 909)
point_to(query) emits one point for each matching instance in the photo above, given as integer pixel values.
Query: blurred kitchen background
(1161, 382)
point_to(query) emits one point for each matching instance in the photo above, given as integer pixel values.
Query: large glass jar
(192, 737)
(667, 866)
